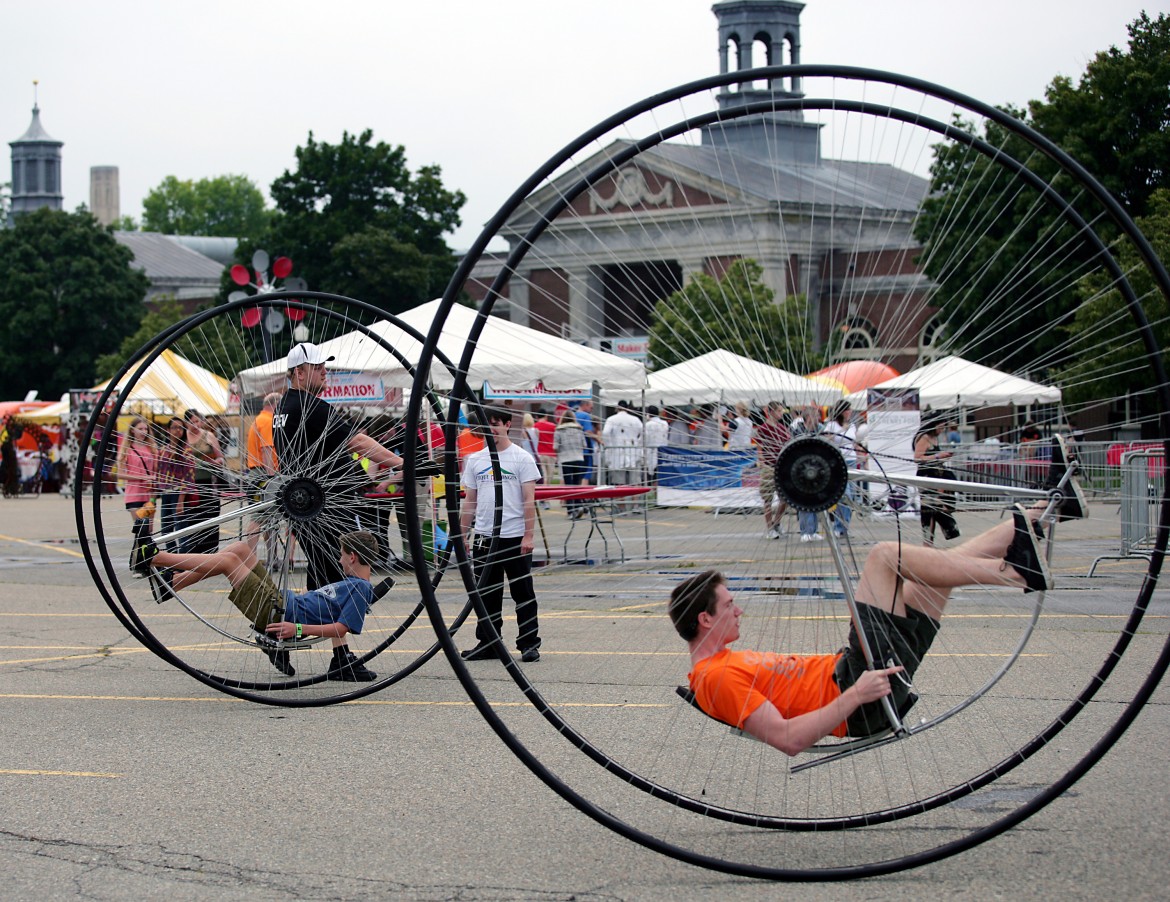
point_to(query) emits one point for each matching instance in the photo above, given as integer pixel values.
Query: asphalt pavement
(124, 778)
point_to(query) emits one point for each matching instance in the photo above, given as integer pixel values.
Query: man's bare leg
(895, 576)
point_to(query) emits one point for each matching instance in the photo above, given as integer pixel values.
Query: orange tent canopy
(856, 375)
(17, 409)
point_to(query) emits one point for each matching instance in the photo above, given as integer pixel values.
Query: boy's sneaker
(1073, 504)
(142, 549)
(279, 659)
(345, 667)
(161, 584)
(1024, 554)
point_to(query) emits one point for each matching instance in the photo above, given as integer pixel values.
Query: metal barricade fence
(1143, 480)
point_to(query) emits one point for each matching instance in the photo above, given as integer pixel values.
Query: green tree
(737, 313)
(990, 241)
(163, 313)
(1102, 320)
(1116, 119)
(356, 221)
(68, 293)
(227, 206)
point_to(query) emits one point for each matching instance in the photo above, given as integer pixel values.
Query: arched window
(856, 338)
(930, 341)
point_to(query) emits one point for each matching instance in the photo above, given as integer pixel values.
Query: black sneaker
(482, 652)
(348, 669)
(279, 659)
(143, 549)
(161, 584)
(530, 655)
(1024, 554)
(1073, 504)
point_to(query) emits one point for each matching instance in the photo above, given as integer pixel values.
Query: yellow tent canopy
(168, 388)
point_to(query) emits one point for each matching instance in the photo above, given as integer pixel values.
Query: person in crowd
(176, 482)
(622, 436)
(679, 433)
(569, 446)
(204, 502)
(741, 429)
(546, 454)
(954, 437)
(592, 439)
(792, 701)
(507, 553)
(771, 437)
(528, 435)
(261, 447)
(840, 432)
(937, 507)
(655, 434)
(1029, 439)
(707, 435)
(137, 465)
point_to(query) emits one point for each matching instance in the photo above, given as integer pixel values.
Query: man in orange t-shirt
(261, 449)
(793, 701)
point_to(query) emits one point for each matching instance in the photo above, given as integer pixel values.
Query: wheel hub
(811, 474)
(301, 498)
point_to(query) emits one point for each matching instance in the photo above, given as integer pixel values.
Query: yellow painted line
(62, 550)
(379, 702)
(57, 773)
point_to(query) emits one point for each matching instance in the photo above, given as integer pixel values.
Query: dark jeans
(573, 473)
(205, 541)
(172, 519)
(490, 570)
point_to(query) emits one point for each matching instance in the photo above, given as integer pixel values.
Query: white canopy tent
(507, 355)
(170, 387)
(720, 376)
(955, 382)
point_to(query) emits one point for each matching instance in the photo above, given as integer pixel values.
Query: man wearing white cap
(315, 441)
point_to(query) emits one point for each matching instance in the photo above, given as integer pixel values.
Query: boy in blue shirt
(331, 611)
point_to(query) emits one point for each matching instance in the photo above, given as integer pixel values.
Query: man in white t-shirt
(655, 436)
(622, 435)
(511, 555)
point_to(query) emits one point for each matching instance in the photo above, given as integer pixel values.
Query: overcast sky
(486, 90)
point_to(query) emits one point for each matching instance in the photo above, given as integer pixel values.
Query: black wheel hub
(301, 499)
(811, 474)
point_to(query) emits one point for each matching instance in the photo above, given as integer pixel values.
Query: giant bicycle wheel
(1016, 260)
(232, 367)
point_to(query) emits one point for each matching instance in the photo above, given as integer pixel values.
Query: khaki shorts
(767, 482)
(258, 599)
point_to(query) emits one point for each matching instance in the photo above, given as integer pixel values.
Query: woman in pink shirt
(137, 464)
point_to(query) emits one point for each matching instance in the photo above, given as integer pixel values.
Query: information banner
(704, 478)
(894, 419)
(355, 388)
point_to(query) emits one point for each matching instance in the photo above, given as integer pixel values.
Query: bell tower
(36, 169)
(752, 34)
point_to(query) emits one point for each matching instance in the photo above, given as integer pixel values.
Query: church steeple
(755, 33)
(36, 168)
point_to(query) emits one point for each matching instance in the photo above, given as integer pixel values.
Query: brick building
(756, 186)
